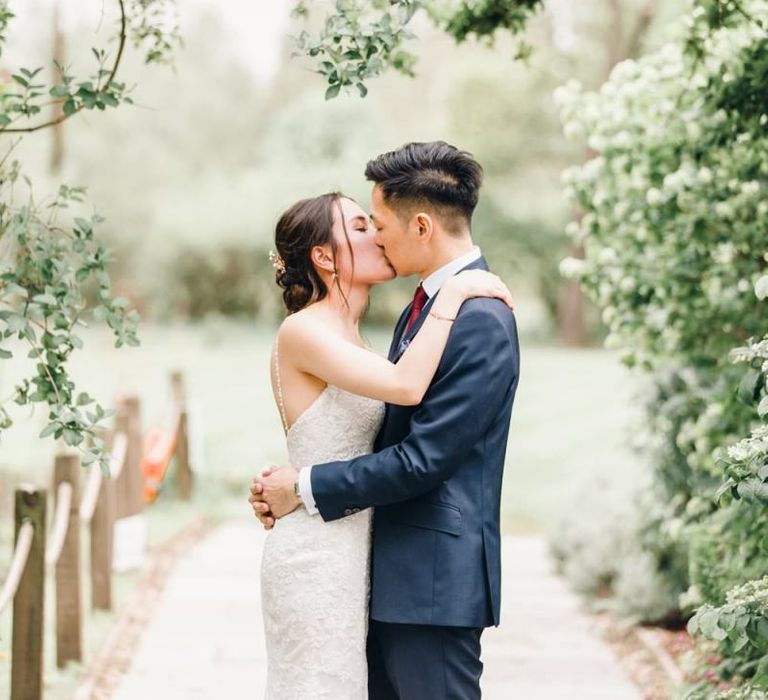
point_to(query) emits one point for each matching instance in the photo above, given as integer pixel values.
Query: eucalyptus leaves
(50, 257)
(360, 39)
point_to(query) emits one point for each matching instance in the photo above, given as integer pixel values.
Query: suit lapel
(392, 355)
(402, 345)
(398, 332)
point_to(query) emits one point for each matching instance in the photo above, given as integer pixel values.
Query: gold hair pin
(277, 262)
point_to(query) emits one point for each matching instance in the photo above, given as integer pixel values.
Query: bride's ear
(322, 258)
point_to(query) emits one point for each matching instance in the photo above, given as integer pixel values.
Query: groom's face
(393, 234)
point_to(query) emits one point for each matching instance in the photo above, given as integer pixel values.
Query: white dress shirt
(431, 285)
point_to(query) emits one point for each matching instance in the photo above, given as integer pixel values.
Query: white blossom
(573, 130)
(724, 253)
(750, 188)
(724, 209)
(693, 129)
(628, 284)
(572, 268)
(572, 229)
(607, 256)
(761, 287)
(654, 196)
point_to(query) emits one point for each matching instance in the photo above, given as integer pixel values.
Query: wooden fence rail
(98, 504)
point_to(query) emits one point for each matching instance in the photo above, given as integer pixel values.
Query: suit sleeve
(478, 367)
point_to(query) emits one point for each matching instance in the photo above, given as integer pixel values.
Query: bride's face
(370, 264)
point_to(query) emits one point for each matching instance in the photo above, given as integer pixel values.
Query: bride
(331, 391)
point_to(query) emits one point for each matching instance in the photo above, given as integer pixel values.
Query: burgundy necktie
(419, 299)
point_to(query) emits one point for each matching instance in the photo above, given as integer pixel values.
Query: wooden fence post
(68, 583)
(28, 603)
(130, 500)
(181, 454)
(130, 528)
(102, 537)
(121, 426)
(177, 387)
(183, 470)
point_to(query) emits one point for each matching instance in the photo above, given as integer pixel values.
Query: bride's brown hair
(304, 225)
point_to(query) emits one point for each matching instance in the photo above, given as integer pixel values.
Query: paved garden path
(205, 640)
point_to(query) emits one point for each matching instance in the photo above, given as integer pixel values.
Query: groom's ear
(423, 225)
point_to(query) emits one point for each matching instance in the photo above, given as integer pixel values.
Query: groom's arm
(477, 370)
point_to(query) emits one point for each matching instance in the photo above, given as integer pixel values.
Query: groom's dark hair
(433, 174)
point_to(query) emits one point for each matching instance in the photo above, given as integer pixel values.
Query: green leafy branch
(361, 40)
(746, 465)
(741, 621)
(482, 19)
(43, 302)
(50, 257)
(357, 43)
(142, 18)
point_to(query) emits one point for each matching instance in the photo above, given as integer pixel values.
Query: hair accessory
(277, 262)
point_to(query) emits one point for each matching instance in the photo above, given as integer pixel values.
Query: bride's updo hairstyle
(304, 225)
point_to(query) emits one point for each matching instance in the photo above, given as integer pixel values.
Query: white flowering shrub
(676, 214)
(674, 229)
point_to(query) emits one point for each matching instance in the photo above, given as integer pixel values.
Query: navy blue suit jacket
(435, 477)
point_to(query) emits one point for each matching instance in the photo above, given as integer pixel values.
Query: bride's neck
(351, 305)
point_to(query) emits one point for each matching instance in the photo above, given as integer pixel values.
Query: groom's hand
(273, 494)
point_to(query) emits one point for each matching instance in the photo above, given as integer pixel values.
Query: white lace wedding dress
(315, 576)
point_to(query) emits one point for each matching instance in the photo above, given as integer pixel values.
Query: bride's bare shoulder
(301, 328)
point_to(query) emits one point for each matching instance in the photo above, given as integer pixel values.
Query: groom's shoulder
(489, 313)
(485, 325)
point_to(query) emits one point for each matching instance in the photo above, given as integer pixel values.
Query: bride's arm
(312, 349)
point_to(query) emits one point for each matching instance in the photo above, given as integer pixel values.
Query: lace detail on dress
(315, 576)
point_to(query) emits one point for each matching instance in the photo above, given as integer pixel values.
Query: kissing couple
(382, 563)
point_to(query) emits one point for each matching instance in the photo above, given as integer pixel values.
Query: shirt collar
(434, 282)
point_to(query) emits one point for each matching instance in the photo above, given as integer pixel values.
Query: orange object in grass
(159, 446)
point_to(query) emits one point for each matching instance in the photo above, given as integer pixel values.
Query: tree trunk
(571, 325)
(57, 130)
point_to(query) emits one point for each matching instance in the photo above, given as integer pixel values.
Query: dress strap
(280, 401)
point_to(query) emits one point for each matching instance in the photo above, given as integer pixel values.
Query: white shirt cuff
(305, 490)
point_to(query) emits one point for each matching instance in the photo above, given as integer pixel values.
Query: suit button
(355, 510)
(347, 511)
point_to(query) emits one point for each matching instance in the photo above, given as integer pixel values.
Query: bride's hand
(479, 283)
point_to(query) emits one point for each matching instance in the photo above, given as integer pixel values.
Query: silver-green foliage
(360, 39)
(50, 257)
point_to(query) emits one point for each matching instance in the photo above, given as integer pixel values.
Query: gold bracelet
(439, 317)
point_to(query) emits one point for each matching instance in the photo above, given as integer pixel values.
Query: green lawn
(573, 414)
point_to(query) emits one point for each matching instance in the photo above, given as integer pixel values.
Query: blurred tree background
(220, 152)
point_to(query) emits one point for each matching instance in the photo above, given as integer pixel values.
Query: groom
(435, 476)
